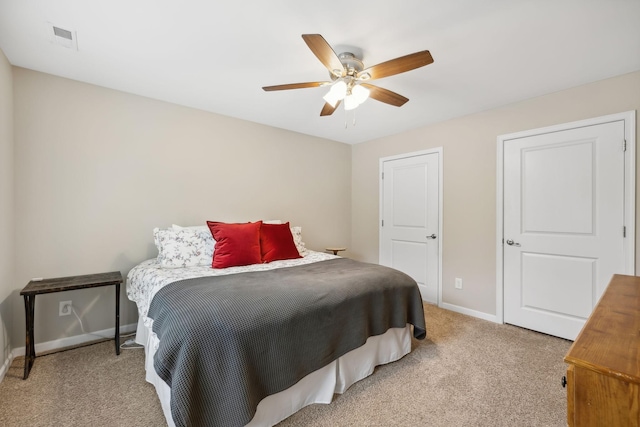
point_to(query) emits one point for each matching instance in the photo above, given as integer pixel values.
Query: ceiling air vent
(62, 36)
(65, 34)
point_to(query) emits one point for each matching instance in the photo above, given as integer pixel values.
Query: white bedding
(144, 281)
(148, 277)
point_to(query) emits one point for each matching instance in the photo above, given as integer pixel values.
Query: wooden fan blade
(385, 95)
(397, 66)
(295, 86)
(323, 51)
(328, 110)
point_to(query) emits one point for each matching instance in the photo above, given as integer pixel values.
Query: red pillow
(236, 244)
(276, 242)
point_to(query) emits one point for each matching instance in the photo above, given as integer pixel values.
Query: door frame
(439, 151)
(629, 119)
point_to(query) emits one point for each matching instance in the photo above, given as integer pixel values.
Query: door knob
(433, 236)
(512, 243)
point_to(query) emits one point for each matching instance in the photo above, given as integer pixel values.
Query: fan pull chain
(346, 119)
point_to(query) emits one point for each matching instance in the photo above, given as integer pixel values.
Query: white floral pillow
(183, 248)
(296, 232)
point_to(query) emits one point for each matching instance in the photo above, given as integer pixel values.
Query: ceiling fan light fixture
(348, 76)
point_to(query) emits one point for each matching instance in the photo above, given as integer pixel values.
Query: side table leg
(29, 348)
(117, 319)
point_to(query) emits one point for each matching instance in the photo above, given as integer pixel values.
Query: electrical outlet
(65, 308)
(458, 283)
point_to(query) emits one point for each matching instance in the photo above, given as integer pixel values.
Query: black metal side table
(60, 284)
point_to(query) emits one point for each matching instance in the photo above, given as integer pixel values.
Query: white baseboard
(77, 339)
(5, 367)
(463, 310)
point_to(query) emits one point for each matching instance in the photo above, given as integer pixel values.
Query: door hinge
(624, 231)
(383, 222)
(624, 145)
(382, 175)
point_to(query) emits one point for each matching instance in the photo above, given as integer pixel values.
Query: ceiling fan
(349, 77)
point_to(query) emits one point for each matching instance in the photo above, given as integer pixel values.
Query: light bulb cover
(350, 102)
(361, 93)
(331, 99)
(337, 92)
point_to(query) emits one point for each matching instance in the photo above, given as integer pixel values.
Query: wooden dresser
(603, 377)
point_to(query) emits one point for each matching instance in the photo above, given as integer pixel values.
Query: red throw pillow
(236, 244)
(276, 242)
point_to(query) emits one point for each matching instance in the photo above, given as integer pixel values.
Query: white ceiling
(216, 56)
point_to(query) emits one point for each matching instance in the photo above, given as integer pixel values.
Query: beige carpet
(468, 372)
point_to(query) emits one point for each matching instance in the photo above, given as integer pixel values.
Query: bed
(252, 344)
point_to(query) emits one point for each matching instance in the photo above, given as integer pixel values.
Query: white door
(409, 233)
(564, 217)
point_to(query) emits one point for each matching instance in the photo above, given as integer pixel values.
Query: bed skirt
(317, 387)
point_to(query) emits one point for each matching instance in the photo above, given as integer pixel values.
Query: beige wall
(469, 145)
(97, 170)
(6, 207)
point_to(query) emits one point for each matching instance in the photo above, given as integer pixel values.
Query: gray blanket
(227, 342)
